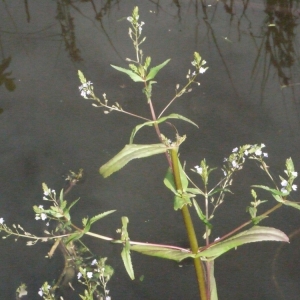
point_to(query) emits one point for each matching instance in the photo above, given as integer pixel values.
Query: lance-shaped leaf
(135, 77)
(81, 77)
(100, 216)
(163, 252)
(201, 214)
(153, 71)
(125, 254)
(254, 234)
(128, 153)
(273, 191)
(160, 120)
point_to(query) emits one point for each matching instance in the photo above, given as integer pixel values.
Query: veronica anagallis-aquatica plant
(202, 196)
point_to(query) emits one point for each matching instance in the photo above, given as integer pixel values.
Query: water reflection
(45, 120)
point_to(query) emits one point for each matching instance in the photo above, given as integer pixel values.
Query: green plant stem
(190, 229)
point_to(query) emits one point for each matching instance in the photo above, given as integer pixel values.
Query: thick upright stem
(190, 229)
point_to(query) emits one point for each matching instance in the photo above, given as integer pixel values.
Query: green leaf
(163, 252)
(73, 203)
(135, 77)
(195, 191)
(100, 216)
(128, 153)
(289, 165)
(125, 254)
(169, 182)
(212, 280)
(201, 214)
(254, 234)
(153, 71)
(73, 237)
(273, 191)
(291, 203)
(181, 200)
(160, 120)
(81, 77)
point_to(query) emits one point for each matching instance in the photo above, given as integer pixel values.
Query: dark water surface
(250, 94)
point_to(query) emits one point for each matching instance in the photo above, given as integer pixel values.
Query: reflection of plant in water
(203, 196)
(68, 29)
(278, 41)
(5, 76)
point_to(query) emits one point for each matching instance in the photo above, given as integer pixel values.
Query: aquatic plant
(202, 195)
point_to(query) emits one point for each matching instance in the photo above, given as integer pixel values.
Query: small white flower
(202, 70)
(43, 216)
(198, 169)
(225, 173)
(37, 217)
(263, 145)
(258, 152)
(1, 220)
(246, 152)
(79, 275)
(94, 262)
(89, 274)
(284, 190)
(284, 183)
(294, 187)
(194, 63)
(130, 19)
(225, 159)
(40, 292)
(295, 174)
(235, 149)
(41, 206)
(45, 198)
(46, 193)
(234, 163)
(265, 154)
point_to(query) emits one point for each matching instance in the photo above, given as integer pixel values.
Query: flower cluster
(236, 160)
(287, 184)
(86, 90)
(98, 274)
(45, 292)
(137, 27)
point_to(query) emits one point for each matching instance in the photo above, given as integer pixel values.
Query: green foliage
(128, 153)
(254, 234)
(125, 254)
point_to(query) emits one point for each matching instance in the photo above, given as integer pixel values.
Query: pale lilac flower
(40, 292)
(265, 154)
(235, 149)
(198, 170)
(89, 275)
(1, 220)
(202, 70)
(94, 262)
(284, 183)
(79, 275)
(258, 152)
(294, 187)
(295, 174)
(43, 216)
(263, 145)
(46, 193)
(246, 152)
(234, 163)
(41, 206)
(130, 19)
(284, 190)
